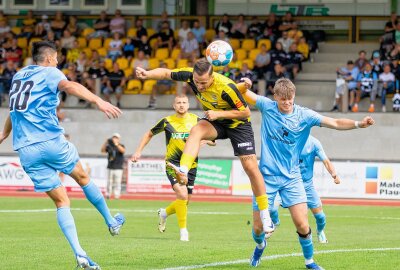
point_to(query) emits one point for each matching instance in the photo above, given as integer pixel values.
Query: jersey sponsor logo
(284, 133)
(180, 135)
(245, 144)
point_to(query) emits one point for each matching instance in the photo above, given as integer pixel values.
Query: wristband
(357, 124)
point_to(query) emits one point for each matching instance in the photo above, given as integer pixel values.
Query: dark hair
(202, 66)
(40, 48)
(350, 62)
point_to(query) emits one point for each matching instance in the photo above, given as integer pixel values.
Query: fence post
(345, 99)
(261, 87)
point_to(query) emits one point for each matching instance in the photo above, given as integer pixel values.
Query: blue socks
(93, 194)
(307, 246)
(321, 221)
(259, 239)
(66, 222)
(273, 212)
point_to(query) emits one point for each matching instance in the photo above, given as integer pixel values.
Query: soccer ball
(219, 53)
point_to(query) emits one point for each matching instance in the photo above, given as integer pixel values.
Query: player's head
(284, 93)
(44, 53)
(202, 74)
(181, 104)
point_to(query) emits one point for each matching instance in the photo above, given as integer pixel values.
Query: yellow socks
(171, 208)
(262, 202)
(181, 212)
(187, 161)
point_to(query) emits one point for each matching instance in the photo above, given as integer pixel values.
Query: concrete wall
(90, 128)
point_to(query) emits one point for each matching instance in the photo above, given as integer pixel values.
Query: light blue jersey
(312, 149)
(283, 138)
(33, 103)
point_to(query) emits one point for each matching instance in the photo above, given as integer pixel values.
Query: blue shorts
(291, 191)
(313, 200)
(42, 161)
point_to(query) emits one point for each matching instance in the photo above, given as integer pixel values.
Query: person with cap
(115, 151)
(43, 27)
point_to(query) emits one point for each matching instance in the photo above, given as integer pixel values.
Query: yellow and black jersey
(222, 95)
(176, 133)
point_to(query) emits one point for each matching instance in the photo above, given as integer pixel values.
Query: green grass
(34, 241)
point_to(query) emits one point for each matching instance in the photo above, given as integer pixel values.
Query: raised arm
(6, 130)
(145, 140)
(156, 74)
(249, 96)
(346, 124)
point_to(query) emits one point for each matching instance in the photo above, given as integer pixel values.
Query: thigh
(293, 193)
(313, 200)
(242, 139)
(61, 154)
(213, 129)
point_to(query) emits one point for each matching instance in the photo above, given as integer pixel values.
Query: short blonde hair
(284, 88)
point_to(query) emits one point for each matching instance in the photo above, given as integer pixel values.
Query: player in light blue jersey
(312, 149)
(284, 131)
(42, 147)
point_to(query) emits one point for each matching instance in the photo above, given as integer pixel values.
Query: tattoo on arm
(246, 158)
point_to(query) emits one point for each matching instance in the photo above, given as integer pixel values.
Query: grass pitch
(359, 237)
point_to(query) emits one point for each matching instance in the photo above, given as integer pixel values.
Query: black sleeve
(159, 127)
(183, 76)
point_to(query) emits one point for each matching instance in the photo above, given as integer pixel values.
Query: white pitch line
(278, 256)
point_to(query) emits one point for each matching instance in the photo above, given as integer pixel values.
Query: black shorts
(191, 178)
(242, 137)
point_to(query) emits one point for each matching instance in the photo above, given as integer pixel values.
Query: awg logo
(11, 171)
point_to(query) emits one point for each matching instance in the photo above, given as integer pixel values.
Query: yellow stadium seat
(133, 87)
(16, 30)
(150, 32)
(249, 62)
(131, 32)
(95, 43)
(162, 54)
(82, 42)
(235, 43)
(88, 52)
(248, 44)
(170, 63)
(65, 71)
(102, 51)
(128, 72)
(265, 41)
(176, 34)
(87, 31)
(154, 63)
(241, 54)
(153, 43)
(123, 63)
(107, 42)
(22, 42)
(33, 40)
(108, 64)
(235, 64)
(182, 63)
(175, 53)
(253, 54)
(210, 34)
(148, 87)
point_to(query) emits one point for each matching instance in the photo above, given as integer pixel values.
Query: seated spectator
(101, 27)
(396, 101)
(144, 46)
(286, 41)
(183, 31)
(200, 34)
(50, 36)
(227, 72)
(262, 61)
(303, 48)
(395, 68)
(287, 22)
(73, 27)
(82, 62)
(95, 57)
(117, 24)
(270, 28)
(141, 61)
(276, 75)
(128, 49)
(115, 84)
(362, 60)
(6, 79)
(376, 63)
(245, 72)
(4, 30)
(190, 48)
(293, 61)
(295, 33)
(97, 70)
(28, 25)
(58, 24)
(239, 28)
(115, 47)
(235, 65)
(367, 83)
(165, 38)
(14, 53)
(43, 27)
(278, 55)
(254, 29)
(160, 87)
(67, 40)
(140, 30)
(386, 85)
(224, 25)
(73, 53)
(347, 78)
(163, 18)
(222, 36)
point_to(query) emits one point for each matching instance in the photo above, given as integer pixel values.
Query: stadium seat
(82, 42)
(106, 43)
(265, 41)
(148, 87)
(175, 53)
(162, 54)
(102, 51)
(122, 62)
(210, 34)
(87, 31)
(128, 72)
(182, 63)
(248, 44)
(253, 54)
(150, 32)
(95, 43)
(16, 30)
(133, 87)
(132, 32)
(154, 63)
(249, 62)
(235, 64)
(241, 54)
(88, 52)
(153, 44)
(33, 40)
(22, 42)
(235, 43)
(108, 64)
(170, 63)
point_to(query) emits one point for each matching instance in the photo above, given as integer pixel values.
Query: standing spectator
(239, 28)
(140, 30)
(254, 29)
(367, 83)
(386, 85)
(200, 34)
(115, 47)
(141, 61)
(183, 31)
(347, 77)
(101, 26)
(115, 84)
(6, 79)
(115, 151)
(362, 60)
(262, 61)
(144, 46)
(43, 27)
(390, 26)
(224, 25)
(58, 24)
(286, 41)
(117, 24)
(190, 47)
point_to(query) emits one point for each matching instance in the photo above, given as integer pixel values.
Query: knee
(303, 228)
(62, 202)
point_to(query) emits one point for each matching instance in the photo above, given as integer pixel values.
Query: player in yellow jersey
(177, 128)
(226, 115)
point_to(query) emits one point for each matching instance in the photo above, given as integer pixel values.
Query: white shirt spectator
(387, 77)
(189, 46)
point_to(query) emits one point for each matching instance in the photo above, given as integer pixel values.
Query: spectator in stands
(67, 40)
(261, 62)
(396, 101)
(222, 36)
(114, 49)
(117, 24)
(14, 53)
(287, 23)
(165, 38)
(43, 27)
(224, 25)
(254, 29)
(386, 85)
(286, 41)
(295, 33)
(190, 48)
(239, 28)
(101, 26)
(97, 70)
(144, 46)
(227, 72)
(115, 84)
(82, 62)
(3, 17)
(278, 55)
(89, 83)
(276, 75)
(28, 25)
(200, 33)
(377, 65)
(245, 72)
(58, 24)
(390, 26)
(235, 65)
(164, 18)
(141, 61)
(362, 60)
(4, 30)
(183, 31)
(128, 49)
(303, 48)
(6, 78)
(95, 57)
(160, 87)
(367, 83)
(270, 29)
(293, 61)
(73, 53)
(50, 36)
(348, 78)
(73, 26)
(140, 30)
(395, 69)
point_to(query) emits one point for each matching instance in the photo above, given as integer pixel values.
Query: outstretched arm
(346, 124)
(6, 130)
(145, 140)
(156, 74)
(249, 96)
(331, 169)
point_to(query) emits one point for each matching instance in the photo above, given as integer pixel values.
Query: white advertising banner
(13, 177)
(366, 180)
